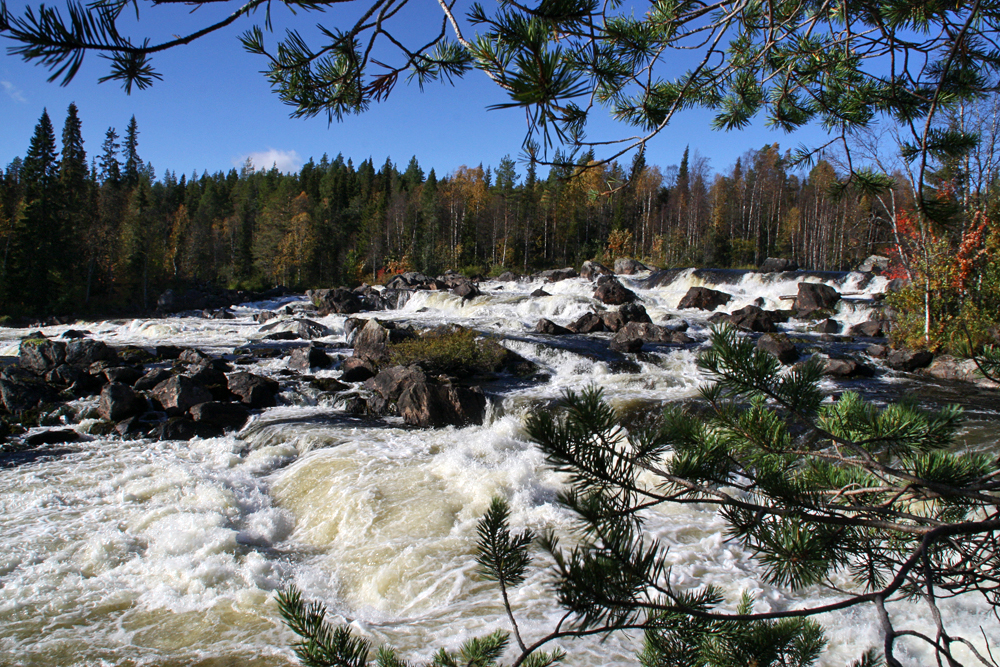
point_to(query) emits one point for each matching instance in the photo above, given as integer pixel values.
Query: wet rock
(877, 351)
(41, 355)
(132, 355)
(828, 326)
(282, 335)
(626, 266)
(338, 300)
(168, 351)
(909, 360)
(127, 375)
(591, 270)
(357, 370)
(254, 391)
(179, 428)
(72, 334)
(777, 265)
(434, 405)
(21, 390)
(86, 351)
(540, 292)
(193, 356)
(264, 316)
(391, 382)
(546, 326)
(53, 437)
(141, 426)
(846, 368)
(372, 342)
(612, 292)
(704, 298)
(119, 401)
(304, 358)
(228, 416)
(752, 318)
(152, 378)
(779, 347)
(869, 329)
(327, 384)
(467, 290)
(555, 275)
(588, 323)
(212, 376)
(813, 297)
(614, 320)
(508, 277)
(179, 393)
(623, 342)
(77, 382)
(394, 299)
(947, 367)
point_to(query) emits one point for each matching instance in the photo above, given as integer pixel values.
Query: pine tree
(76, 199)
(110, 166)
(133, 164)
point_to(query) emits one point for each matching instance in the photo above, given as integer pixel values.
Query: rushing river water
(169, 553)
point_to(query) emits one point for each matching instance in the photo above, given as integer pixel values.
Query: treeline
(79, 236)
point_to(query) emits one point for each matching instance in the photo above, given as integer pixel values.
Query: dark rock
(127, 375)
(869, 329)
(555, 275)
(223, 415)
(612, 292)
(467, 290)
(752, 318)
(86, 351)
(264, 316)
(72, 334)
(21, 390)
(591, 270)
(589, 323)
(152, 378)
(411, 280)
(357, 370)
(508, 277)
(327, 384)
(41, 355)
(540, 292)
(338, 300)
(614, 320)
(119, 401)
(179, 428)
(813, 297)
(877, 351)
(828, 326)
(777, 265)
(627, 267)
(254, 391)
(909, 360)
(372, 342)
(433, 405)
(134, 356)
(213, 378)
(304, 358)
(779, 347)
(718, 318)
(54, 437)
(282, 335)
(680, 338)
(394, 299)
(168, 351)
(624, 343)
(140, 426)
(846, 368)
(179, 393)
(391, 382)
(192, 356)
(704, 298)
(549, 327)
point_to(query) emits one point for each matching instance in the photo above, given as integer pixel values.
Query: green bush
(450, 351)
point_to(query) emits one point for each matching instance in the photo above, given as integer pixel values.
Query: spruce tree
(133, 164)
(77, 196)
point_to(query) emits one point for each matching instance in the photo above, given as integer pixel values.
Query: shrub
(451, 351)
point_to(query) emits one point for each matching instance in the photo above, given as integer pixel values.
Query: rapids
(169, 553)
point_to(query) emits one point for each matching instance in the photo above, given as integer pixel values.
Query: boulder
(752, 318)
(85, 351)
(947, 367)
(813, 297)
(555, 275)
(704, 298)
(427, 404)
(828, 326)
(846, 368)
(391, 382)
(779, 347)
(623, 341)
(168, 351)
(508, 277)
(357, 370)
(304, 358)
(467, 290)
(877, 351)
(152, 378)
(119, 401)
(588, 323)
(371, 342)
(591, 270)
(549, 327)
(777, 265)
(179, 393)
(612, 292)
(308, 330)
(128, 375)
(180, 428)
(869, 329)
(626, 266)
(540, 292)
(614, 320)
(254, 391)
(338, 300)
(192, 356)
(909, 360)
(41, 355)
(230, 416)
(58, 436)
(21, 390)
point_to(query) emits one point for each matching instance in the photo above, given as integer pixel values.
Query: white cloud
(285, 161)
(13, 92)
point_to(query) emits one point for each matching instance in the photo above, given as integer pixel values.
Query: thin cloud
(13, 92)
(285, 161)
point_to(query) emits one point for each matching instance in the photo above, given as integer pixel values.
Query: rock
(779, 347)
(141, 426)
(168, 351)
(549, 327)
(128, 375)
(875, 264)
(555, 275)
(394, 299)
(869, 329)
(327, 384)
(179, 393)
(309, 330)
(86, 351)
(372, 342)
(614, 320)
(338, 300)
(828, 326)
(467, 290)
(41, 355)
(391, 382)
(612, 292)
(591, 270)
(625, 343)
(434, 405)
(588, 323)
(254, 391)
(540, 292)
(53, 437)
(212, 376)
(192, 356)
(508, 277)
(357, 370)
(626, 266)
(777, 265)
(264, 316)
(846, 368)
(704, 298)
(223, 415)
(119, 401)
(179, 428)
(282, 335)
(814, 296)
(877, 351)
(909, 360)
(78, 382)
(752, 318)
(947, 367)
(152, 378)
(414, 280)
(72, 334)
(21, 390)
(131, 355)
(304, 358)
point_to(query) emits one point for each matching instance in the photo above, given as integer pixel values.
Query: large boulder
(588, 323)
(254, 391)
(357, 370)
(119, 401)
(813, 297)
(22, 390)
(703, 298)
(869, 329)
(466, 289)
(338, 300)
(626, 266)
(179, 393)
(779, 347)
(222, 415)
(875, 264)
(555, 275)
(508, 277)
(85, 351)
(371, 342)
(546, 326)
(614, 320)
(752, 318)
(778, 264)
(41, 355)
(304, 358)
(391, 382)
(612, 292)
(428, 404)
(909, 360)
(591, 270)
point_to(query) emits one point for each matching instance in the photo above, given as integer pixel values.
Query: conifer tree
(76, 199)
(133, 164)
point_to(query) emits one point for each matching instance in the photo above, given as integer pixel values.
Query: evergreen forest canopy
(99, 231)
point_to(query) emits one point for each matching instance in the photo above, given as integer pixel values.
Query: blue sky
(213, 109)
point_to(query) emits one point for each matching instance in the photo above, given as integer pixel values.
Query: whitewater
(169, 553)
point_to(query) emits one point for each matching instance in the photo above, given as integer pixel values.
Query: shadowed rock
(703, 298)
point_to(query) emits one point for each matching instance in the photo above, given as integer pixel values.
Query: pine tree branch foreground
(874, 505)
(844, 64)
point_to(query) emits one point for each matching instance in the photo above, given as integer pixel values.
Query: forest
(103, 233)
